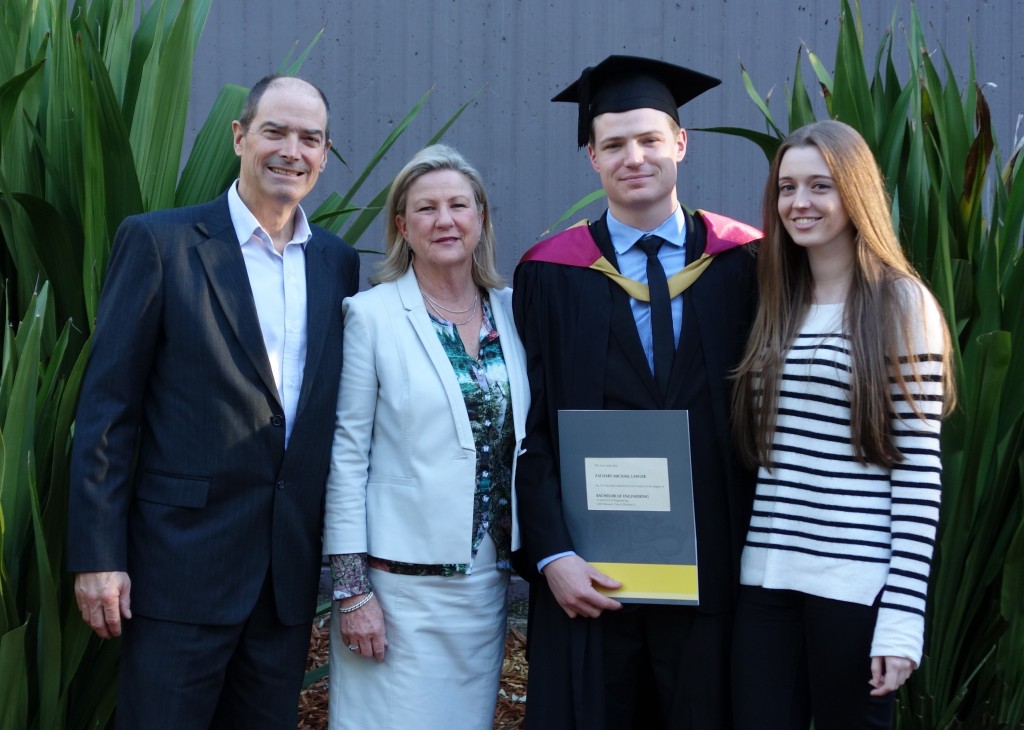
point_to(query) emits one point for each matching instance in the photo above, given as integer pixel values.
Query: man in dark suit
(203, 434)
(596, 663)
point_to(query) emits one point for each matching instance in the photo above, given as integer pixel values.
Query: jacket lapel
(222, 258)
(695, 240)
(515, 362)
(320, 290)
(623, 325)
(415, 311)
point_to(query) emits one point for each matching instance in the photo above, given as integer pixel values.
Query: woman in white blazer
(420, 518)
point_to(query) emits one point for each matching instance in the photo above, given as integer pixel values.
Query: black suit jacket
(179, 470)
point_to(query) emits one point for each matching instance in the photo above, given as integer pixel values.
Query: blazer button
(281, 484)
(277, 420)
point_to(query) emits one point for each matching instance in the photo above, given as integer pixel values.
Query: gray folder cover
(630, 522)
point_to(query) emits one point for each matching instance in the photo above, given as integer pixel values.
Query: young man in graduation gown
(596, 340)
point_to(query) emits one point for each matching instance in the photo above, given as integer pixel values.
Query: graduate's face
(285, 147)
(442, 221)
(810, 206)
(636, 153)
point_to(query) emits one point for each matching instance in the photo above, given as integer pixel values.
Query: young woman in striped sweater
(837, 403)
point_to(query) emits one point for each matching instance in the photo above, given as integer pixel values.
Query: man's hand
(888, 673)
(104, 598)
(572, 581)
(363, 630)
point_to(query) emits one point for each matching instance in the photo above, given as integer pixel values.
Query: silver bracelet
(357, 605)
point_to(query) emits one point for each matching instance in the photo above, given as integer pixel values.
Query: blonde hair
(398, 254)
(878, 319)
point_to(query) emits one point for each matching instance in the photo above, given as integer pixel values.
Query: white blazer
(403, 465)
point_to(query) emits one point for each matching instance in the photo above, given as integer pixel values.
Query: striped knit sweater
(828, 526)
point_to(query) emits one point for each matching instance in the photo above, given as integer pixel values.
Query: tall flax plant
(93, 102)
(93, 99)
(958, 208)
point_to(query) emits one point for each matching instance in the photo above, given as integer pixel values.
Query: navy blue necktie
(662, 335)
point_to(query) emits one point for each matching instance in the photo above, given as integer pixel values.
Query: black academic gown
(584, 352)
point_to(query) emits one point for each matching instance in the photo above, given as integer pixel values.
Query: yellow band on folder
(646, 580)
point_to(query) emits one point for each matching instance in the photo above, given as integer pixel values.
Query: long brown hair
(878, 316)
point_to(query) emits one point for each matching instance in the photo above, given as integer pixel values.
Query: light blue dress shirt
(633, 264)
(278, 282)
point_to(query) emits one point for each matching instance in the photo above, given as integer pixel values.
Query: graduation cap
(623, 83)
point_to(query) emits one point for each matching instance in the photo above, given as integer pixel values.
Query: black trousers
(798, 657)
(666, 667)
(177, 676)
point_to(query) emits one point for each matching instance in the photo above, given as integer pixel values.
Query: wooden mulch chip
(508, 715)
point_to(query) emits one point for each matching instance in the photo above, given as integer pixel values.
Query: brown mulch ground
(509, 713)
(511, 698)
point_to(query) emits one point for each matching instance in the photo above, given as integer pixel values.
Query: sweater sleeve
(915, 483)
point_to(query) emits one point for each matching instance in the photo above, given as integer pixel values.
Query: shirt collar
(673, 231)
(246, 225)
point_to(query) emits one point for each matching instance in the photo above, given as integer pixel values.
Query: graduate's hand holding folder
(572, 580)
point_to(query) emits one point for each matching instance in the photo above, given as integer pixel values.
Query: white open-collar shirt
(278, 282)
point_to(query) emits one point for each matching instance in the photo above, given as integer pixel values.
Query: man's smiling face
(284, 148)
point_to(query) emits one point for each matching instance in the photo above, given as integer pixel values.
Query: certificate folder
(627, 499)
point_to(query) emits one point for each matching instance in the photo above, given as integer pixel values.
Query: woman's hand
(363, 630)
(888, 673)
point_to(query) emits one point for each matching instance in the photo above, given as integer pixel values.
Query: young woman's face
(809, 203)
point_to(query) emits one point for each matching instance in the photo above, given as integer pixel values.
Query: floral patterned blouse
(485, 389)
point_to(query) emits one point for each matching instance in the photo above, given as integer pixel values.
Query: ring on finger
(353, 647)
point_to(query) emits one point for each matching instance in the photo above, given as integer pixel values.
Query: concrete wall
(376, 59)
